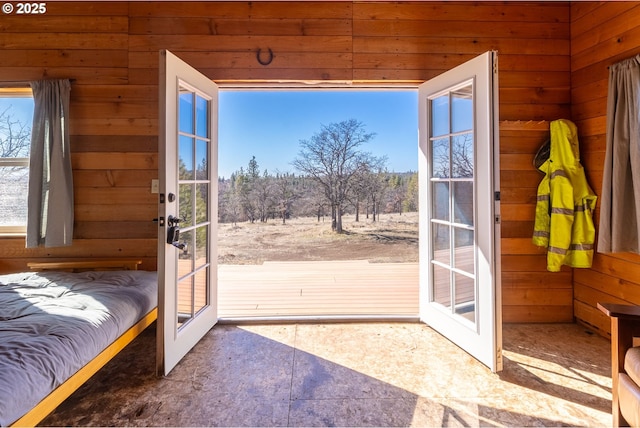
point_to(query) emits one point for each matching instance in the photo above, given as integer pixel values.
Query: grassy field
(392, 239)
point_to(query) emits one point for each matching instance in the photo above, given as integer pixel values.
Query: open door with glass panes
(459, 208)
(188, 206)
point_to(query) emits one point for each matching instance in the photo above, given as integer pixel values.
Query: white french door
(459, 208)
(187, 261)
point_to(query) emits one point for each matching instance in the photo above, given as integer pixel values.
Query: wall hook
(259, 57)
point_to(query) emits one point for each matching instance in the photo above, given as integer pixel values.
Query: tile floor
(354, 374)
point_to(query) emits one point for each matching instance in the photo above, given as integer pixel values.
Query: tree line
(335, 176)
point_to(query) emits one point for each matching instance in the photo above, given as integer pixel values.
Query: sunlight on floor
(352, 374)
(406, 356)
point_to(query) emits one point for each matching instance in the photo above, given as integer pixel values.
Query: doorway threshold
(315, 319)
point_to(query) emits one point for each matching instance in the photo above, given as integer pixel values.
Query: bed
(60, 323)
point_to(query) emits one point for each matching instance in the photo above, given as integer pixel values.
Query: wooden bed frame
(62, 392)
(81, 265)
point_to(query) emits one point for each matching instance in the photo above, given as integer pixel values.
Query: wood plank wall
(111, 50)
(113, 127)
(602, 33)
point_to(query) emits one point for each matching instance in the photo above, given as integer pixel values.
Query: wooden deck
(318, 289)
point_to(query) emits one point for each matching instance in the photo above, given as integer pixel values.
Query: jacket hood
(564, 142)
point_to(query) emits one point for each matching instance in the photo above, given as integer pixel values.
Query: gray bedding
(53, 323)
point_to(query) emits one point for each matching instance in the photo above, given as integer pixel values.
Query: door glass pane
(185, 158)
(202, 203)
(440, 165)
(465, 296)
(464, 250)
(185, 192)
(202, 117)
(185, 298)
(441, 285)
(462, 109)
(200, 293)
(440, 201)
(185, 111)
(463, 202)
(186, 256)
(440, 116)
(201, 246)
(201, 160)
(462, 156)
(441, 244)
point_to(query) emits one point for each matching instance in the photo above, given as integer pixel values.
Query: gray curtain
(620, 200)
(50, 200)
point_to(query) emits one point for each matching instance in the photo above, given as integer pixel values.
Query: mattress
(53, 323)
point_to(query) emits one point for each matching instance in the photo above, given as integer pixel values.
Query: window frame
(15, 92)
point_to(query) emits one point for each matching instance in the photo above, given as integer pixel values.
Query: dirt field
(392, 239)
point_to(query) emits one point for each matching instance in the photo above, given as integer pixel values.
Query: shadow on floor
(340, 375)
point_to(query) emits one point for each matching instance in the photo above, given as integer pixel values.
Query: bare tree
(358, 193)
(367, 181)
(285, 195)
(332, 157)
(311, 200)
(453, 158)
(232, 206)
(244, 187)
(396, 194)
(15, 137)
(262, 195)
(377, 186)
(410, 202)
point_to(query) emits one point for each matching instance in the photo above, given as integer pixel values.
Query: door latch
(173, 233)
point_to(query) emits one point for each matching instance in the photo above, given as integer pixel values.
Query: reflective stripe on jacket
(565, 204)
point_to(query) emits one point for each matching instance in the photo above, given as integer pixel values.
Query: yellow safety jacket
(565, 203)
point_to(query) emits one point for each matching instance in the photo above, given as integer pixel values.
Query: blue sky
(21, 108)
(270, 124)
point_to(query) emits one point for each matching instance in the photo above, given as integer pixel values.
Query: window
(16, 117)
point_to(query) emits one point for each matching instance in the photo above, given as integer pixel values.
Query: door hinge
(497, 219)
(496, 195)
